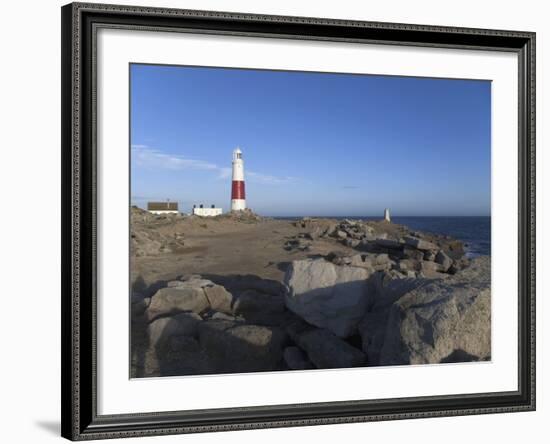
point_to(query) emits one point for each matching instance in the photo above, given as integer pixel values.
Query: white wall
(30, 263)
(207, 212)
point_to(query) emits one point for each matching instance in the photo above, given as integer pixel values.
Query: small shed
(163, 207)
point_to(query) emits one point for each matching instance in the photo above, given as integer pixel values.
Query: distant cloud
(153, 158)
(145, 156)
(267, 179)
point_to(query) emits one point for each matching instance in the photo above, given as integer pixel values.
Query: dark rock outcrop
(259, 307)
(296, 359)
(326, 350)
(444, 260)
(162, 331)
(235, 347)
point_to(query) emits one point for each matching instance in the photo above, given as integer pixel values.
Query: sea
(474, 231)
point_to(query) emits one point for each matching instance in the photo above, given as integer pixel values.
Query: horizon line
(327, 215)
(392, 216)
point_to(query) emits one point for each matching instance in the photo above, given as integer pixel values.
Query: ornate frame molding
(79, 409)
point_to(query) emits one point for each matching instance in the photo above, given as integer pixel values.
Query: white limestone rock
(327, 295)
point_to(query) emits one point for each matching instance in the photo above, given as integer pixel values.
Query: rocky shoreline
(349, 294)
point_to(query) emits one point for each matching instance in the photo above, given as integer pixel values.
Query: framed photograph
(281, 221)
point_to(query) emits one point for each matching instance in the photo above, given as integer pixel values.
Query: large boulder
(454, 249)
(172, 347)
(296, 359)
(405, 265)
(429, 255)
(248, 297)
(224, 316)
(371, 262)
(139, 303)
(237, 284)
(179, 355)
(168, 301)
(317, 227)
(419, 244)
(341, 234)
(326, 295)
(413, 253)
(192, 295)
(432, 270)
(326, 350)
(386, 289)
(444, 260)
(161, 331)
(219, 298)
(443, 321)
(389, 243)
(236, 347)
(352, 243)
(258, 307)
(372, 329)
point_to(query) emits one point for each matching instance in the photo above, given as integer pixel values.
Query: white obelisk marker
(238, 201)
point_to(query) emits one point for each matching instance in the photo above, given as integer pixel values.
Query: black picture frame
(79, 171)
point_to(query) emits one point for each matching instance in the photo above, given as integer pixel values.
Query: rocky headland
(242, 293)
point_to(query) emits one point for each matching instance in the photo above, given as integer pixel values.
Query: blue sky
(313, 143)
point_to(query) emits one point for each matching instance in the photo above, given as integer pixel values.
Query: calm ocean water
(474, 231)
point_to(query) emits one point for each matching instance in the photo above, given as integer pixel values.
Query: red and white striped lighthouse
(237, 186)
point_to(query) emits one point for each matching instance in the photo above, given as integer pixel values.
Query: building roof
(162, 206)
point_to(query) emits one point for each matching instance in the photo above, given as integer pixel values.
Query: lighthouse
(238, 202)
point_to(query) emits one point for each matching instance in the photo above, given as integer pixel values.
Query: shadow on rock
(184, 347)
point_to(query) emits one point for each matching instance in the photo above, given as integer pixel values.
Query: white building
(163, 207)
(206, 212)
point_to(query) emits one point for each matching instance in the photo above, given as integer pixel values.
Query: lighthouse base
(238, 204)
